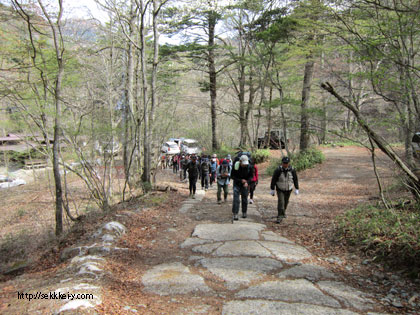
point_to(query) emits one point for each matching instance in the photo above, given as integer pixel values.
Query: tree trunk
(212, 76)
(249, 109)
(324, 120)
(155, 65)
(382, 145)
(241, 95)
(146, 144)
(306, 92)
(59, 52)
(409, 124)
(129, 106)
(269, 120)
(56, 155)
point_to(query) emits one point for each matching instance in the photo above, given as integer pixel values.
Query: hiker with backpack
(214, 163)
(205, 172)
(253, 184)
(242, 174)
(229, 159)
(183, 169)
(283, 180)
(175, 163)
(223, 176)
(193, 170)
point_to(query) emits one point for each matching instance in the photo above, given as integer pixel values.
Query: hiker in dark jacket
(193, 171)
(223, 175)
(205, 173)
(283, 180)
(242, 174)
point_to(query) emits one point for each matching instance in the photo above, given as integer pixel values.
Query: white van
(190, 146)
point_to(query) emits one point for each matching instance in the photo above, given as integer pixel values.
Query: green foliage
(343, 143)
(384, 233)
(20, 157)
(260, 156)
(147, 186)
(204, 86)
(300, 161)
(21, 213)
(273, 26)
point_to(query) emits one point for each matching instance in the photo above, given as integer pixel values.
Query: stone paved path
(258, 271)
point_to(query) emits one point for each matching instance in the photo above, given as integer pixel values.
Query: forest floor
(173, 266)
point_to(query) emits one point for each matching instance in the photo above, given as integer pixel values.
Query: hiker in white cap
(241, 175)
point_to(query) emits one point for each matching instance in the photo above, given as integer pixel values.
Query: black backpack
(205, 166)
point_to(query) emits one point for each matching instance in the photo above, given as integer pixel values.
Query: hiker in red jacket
(253, 184)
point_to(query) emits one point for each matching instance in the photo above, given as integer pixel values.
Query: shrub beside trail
(389, 234)
(300, 161)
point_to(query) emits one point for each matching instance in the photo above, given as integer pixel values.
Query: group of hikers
(243, 172)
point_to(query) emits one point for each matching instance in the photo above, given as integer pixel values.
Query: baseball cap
(285, 160)
(244, 160)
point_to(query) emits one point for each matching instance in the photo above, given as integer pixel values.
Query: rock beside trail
(173, 278)
(301, 291)
(309, 272)
(251, 307)
(228, 232)
(349, 296)
(237, 271)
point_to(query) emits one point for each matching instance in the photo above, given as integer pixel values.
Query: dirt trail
(343, 181)
(170, 250)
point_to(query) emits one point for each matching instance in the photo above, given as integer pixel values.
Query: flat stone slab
(271, 236)
(207, 248)
(185, 207)
(191, 310)
(252, 307)
(192, 241)
(285, 251)
(253, 211)
(112, 228)
(240, 271)
(349, 296)
(174, 278)
(229, 232)
(309, 272)
(242, 248)
(301, 291)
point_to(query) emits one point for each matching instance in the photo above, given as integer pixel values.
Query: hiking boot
(279, 219)
(251, 201)
(190, 195)
(219, 202)
(193, 196)
(235, 217)
(244, 215)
